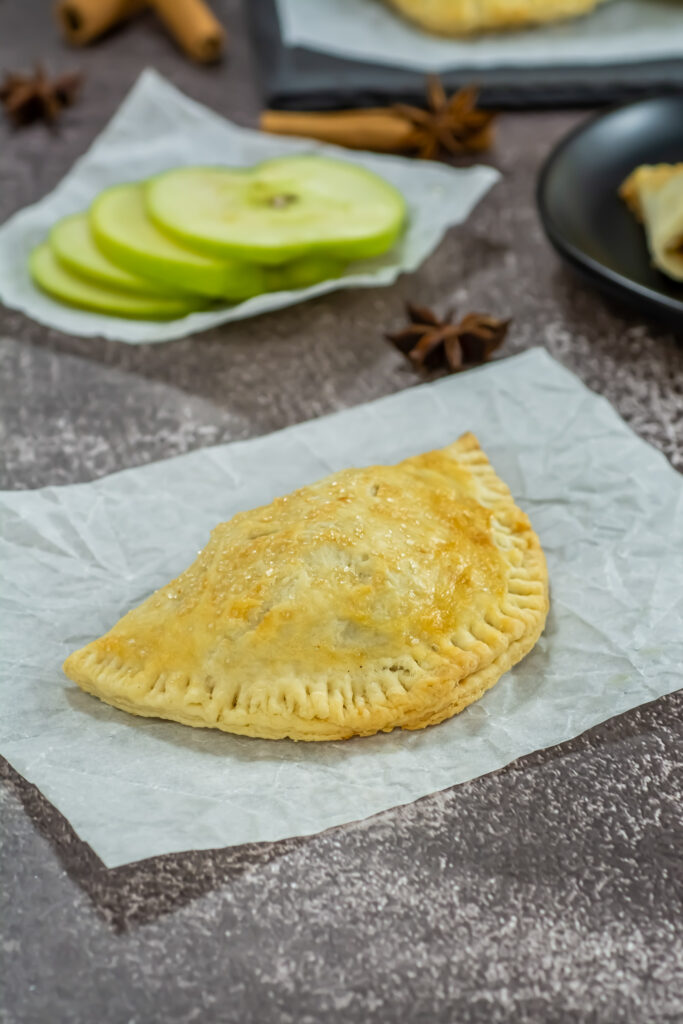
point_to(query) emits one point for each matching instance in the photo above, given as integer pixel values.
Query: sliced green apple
(303, 273)
(52, 277)
(279, 210)
(125, 233)
(72, 242)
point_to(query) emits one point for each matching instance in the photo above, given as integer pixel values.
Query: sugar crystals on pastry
(378, 598)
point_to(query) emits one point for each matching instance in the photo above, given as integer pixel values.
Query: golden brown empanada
(377, 598)
(654, 193)
(463, 17)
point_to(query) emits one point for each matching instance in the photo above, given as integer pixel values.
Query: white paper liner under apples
(157, 128)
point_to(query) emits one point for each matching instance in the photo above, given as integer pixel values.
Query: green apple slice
(127, 236)
(73, 244)
(52, 277)
(279, 210)
(303, 273)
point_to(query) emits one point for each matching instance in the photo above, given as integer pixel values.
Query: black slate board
(294, 78)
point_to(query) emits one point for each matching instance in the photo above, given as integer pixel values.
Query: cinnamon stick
(376, 128)
(194, 27)
(82, 21)
(445, 126)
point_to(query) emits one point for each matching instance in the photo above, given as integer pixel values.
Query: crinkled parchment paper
(157, 127)
(609, 511)
(623, 31)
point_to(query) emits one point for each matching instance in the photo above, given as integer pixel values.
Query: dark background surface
(549, 891)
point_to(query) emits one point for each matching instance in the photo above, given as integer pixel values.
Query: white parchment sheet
(622, 31)
(156, 128)
(609, 511)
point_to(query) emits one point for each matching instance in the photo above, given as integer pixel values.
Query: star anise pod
(434, 344)
(36, 97)
(454, 124)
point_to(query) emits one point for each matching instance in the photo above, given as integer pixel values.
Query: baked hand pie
(463, 17)
(377, 598)
(655, 195)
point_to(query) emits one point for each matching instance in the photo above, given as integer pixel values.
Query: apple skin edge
(360, 217)
(123, 232)
(73, 244)
(59, 283)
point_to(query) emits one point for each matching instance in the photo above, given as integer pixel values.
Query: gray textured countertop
(549, 891)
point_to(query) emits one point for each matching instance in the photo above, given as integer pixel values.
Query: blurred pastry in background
(654, 194)
(463, 17)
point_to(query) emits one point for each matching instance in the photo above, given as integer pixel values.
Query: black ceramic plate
(585, 219)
